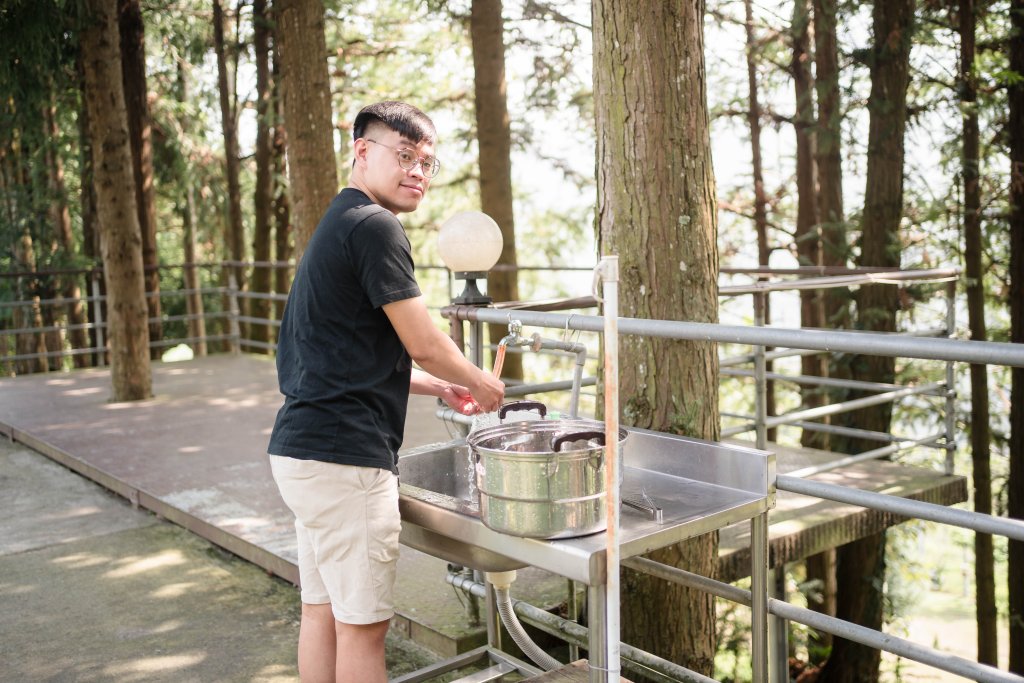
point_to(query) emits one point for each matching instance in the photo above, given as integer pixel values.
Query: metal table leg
(597, 598)
(759, 597)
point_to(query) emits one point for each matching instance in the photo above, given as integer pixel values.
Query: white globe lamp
(470, 244)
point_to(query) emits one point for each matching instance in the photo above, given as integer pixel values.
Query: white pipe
(609, 273)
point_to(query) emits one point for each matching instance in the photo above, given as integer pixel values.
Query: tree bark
(281, 207)
(264, 192)
(30, 316)
(90, 230)
(487, 31)
(140, 129)
(985, 602)
(861, 565)
(762, 307)
(194, 306)
(828, 157)
(808, 245)
(61, 217)
(235, 237)
(1015, 485)
(653, 141)
(121, 237)
(306, 87)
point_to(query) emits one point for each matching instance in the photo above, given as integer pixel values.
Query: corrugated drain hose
(501, 582)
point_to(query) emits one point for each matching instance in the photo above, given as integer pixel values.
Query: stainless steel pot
(541, 478)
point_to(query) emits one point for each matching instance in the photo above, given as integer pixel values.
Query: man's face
(377, 155)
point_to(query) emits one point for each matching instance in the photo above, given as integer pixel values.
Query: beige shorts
(347, 524)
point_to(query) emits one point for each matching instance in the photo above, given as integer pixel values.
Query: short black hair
(403, 118)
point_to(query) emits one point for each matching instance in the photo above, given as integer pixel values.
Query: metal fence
(226, 307)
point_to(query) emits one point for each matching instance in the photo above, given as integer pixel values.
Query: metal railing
(228, 305)
(948, 350)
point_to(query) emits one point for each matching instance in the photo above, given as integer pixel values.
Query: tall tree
(263, 195)
(140, 129)
(281, 207)
(860, 566)
(761, 303)
(306, 87)
(828, 156)
(984, 562)
(121, 237)
(653, 141)
(1016, 479)
(60, 217)
(487, 32)
(187, 208)
(235, 237)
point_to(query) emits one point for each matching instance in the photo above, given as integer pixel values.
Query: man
(354, 322)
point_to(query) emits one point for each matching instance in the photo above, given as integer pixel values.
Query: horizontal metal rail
(837, 627)
(933, 441)
(813, 380)
(263, 296)
(268, 346)
(850, 280)
(852, 432)
(869, 343)
(258, 321)
(854, 404)
(976, 521)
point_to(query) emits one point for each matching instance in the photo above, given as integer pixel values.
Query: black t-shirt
(340, 364)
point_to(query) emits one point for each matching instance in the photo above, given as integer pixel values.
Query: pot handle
(556, 443)
(522, 405)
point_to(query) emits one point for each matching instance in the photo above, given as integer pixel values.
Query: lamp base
(471, 294)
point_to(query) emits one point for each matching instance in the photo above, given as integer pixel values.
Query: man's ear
(360, 148)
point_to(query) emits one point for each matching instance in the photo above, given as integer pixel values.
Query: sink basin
(697, 486)
(437, 499)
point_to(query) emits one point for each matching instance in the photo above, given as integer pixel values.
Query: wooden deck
(195, 454)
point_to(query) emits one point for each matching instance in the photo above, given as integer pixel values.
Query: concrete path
(94, 590)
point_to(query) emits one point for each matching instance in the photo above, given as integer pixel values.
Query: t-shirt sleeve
(382, 257)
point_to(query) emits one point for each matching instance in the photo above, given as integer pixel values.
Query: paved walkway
(94, 590)
(195, 455)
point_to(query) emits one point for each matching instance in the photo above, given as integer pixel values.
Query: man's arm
(436, 353)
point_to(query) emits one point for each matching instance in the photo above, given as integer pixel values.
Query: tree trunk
(90, 231)
(235, 235)
(487, 31)
(828, 155)
(808, 245)
(194, 306)
(1015, 486)
(121, 237)
(861, 565)
(264, 192)
(985, 602)
(762, 308)
(653, 141)
(306, 87)
(140, 129)
(61, 217)
(31, 315)
(281, 207)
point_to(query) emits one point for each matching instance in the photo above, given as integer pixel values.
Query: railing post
(101, 343)
(950, 379)
(778, 629)
(760, 381)
(759, 597)
(233, 327)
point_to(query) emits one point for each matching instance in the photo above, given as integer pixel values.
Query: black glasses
(408, 160)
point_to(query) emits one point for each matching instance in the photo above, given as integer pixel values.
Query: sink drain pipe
(502, 581)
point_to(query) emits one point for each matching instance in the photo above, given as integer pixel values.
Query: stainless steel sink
(698, 486)
(437, 499)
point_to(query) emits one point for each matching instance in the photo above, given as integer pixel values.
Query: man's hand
(460, 400)
(489, 392)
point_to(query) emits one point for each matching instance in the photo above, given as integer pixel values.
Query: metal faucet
(515, 335)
